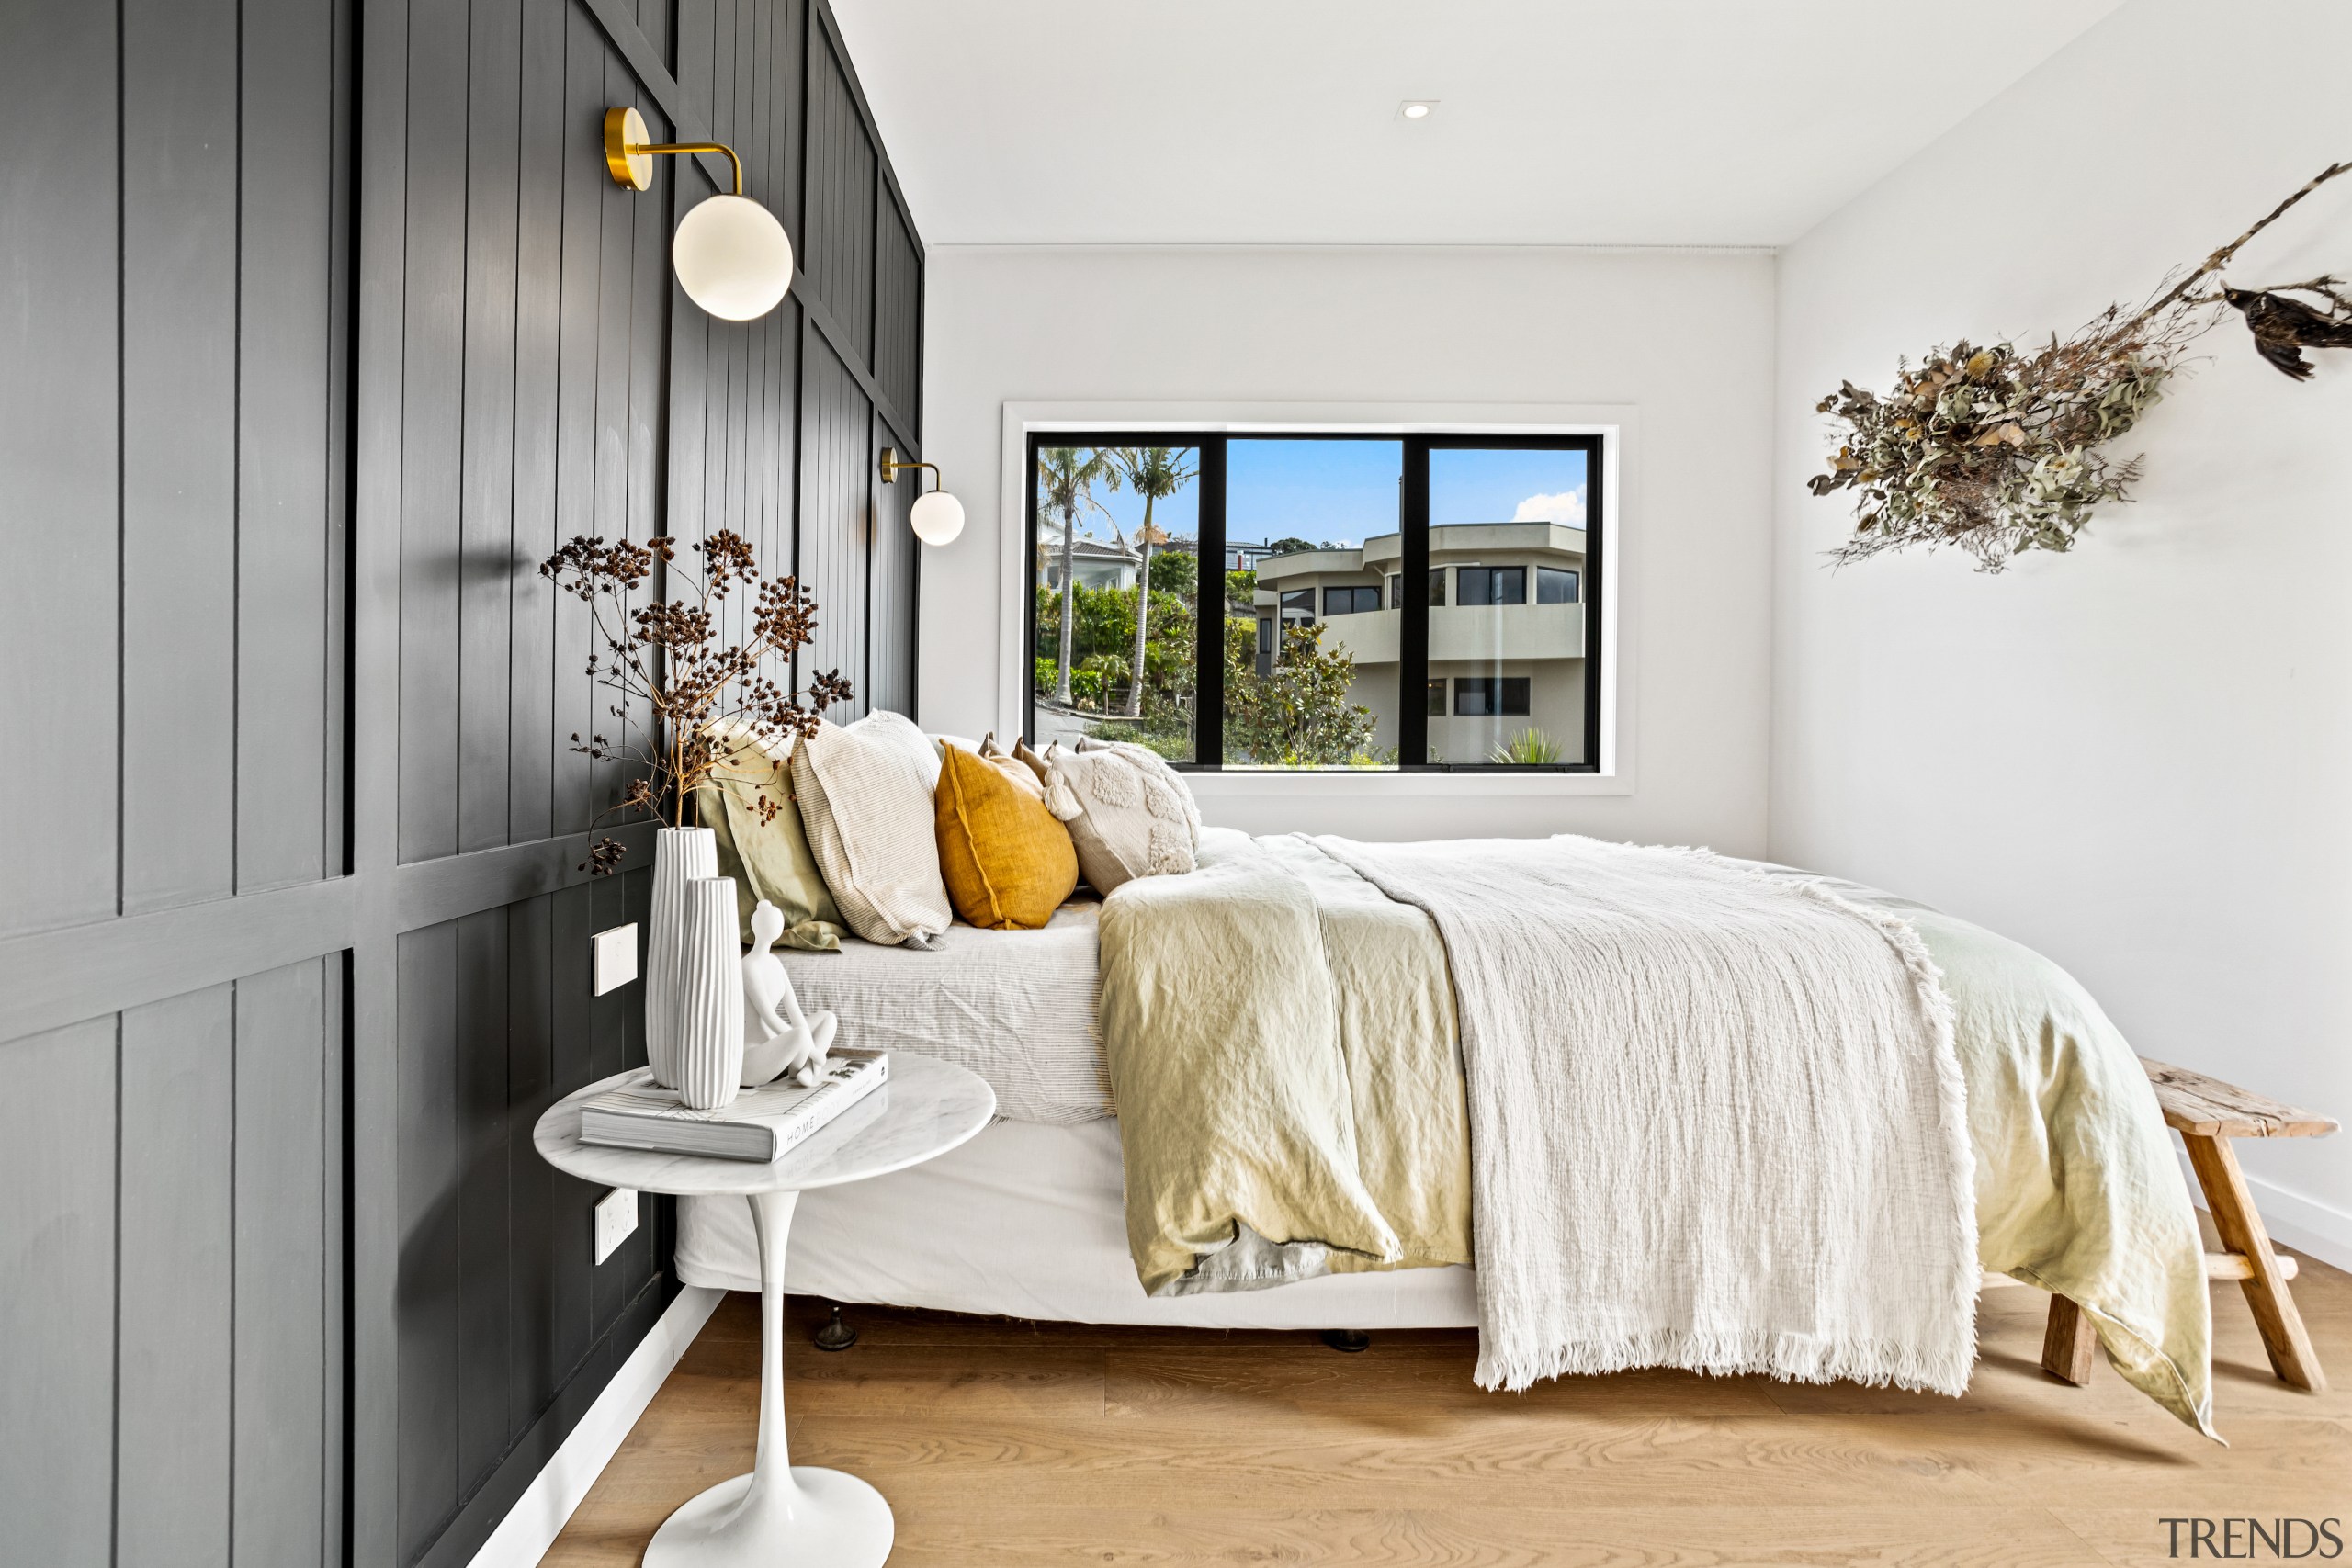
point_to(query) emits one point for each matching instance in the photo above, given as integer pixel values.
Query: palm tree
(1153, 472)
(1066, 480)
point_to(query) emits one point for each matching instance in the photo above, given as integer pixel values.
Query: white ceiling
(1560, 121)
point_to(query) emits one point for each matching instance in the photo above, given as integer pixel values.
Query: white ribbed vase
(709, 1043)
(680, 855)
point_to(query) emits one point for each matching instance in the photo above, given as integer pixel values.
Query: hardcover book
(760, 1124)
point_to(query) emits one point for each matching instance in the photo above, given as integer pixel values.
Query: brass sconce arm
(891, 464)
(631, 157)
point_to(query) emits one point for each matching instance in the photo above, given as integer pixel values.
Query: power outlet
(616, 957)
(615, 1220)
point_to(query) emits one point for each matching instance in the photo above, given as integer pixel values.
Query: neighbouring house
(1506, 628)
(1097, 564)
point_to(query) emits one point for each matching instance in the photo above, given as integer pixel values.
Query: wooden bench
(2207, 1113)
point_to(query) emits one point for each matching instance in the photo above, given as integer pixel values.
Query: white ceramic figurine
(778, 1039)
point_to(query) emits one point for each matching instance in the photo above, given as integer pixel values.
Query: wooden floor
(1014, 1443)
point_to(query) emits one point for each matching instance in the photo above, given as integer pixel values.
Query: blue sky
(1343, 491)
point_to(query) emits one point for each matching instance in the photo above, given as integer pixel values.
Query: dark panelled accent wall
(321, 323)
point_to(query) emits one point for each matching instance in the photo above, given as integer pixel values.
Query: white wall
(2138, 757)
(1684, 337)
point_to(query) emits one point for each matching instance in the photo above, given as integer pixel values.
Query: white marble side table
(782, 1513)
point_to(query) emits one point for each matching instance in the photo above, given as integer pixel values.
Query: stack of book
(760, 1124)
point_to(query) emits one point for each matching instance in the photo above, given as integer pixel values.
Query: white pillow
(1129, 815)
(865, 799)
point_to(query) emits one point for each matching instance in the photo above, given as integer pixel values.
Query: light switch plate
(616, 1219)
(616, 957)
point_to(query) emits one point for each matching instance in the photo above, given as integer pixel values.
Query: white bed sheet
(1017, 1008)
(1028, 1220)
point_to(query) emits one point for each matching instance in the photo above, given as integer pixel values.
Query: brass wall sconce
(731, 256)
(937, 517)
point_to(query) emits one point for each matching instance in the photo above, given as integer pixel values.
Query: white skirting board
(530, 1527)
(2303, 1223)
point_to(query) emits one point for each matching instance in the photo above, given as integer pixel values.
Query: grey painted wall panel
(489, 564)
(368, 785)
(432, 427)
(179, 468)
(57, 1160)
(837, 483)
(285, 1456)
(289, 591)
(428, 1198)
(58, 446)
(840, 196)
(171, 1427)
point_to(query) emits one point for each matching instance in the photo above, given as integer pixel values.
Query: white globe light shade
(733, 258)
(937, 517)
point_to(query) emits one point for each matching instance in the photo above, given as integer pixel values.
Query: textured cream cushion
(1127, 811)
(865, 799)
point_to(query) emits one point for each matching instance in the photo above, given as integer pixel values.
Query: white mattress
(1027, 1220)
(1017, 1008)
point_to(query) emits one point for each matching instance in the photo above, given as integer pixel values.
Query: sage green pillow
(769, 860)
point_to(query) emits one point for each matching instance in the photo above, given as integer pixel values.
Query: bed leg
(1348, 1340)
(836, 1335)
(2069, 1343)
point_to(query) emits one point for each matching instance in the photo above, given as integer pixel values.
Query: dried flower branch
(670, 655)
(1995, 450)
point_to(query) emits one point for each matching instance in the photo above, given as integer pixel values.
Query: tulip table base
(781, 1515)
(822, 1518)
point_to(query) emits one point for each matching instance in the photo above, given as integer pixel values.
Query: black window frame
(1355, 592)
(1413, 527)
(1576, 582)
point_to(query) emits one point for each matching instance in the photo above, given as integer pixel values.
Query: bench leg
(2283, 1335)
(2069, 1343)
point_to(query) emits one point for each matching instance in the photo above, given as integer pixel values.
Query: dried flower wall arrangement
(671, 654)
(1996, 450)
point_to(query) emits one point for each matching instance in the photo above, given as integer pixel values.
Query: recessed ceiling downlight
(1415, 109)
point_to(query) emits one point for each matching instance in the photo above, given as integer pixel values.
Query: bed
(1029, 1219)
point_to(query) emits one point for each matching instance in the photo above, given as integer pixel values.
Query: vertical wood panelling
(531, 1376)
(171, 1427)
(57, 1386)
(429, 1246)
(889, 620)
(487, 564)
(281, 1448)
(288, 756)
(60, 448)
(432, 428)
(898, 315)
(837, 483)
(179, 468)
(485, 1199)
(586, 188)
(542, 182)
(839, 195)
(348, 418)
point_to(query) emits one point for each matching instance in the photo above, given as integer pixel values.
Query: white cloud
(1566, 509)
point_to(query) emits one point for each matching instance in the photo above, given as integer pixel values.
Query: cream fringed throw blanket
(1716, 1117)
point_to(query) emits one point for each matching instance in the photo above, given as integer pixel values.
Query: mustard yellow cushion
(1006, 863)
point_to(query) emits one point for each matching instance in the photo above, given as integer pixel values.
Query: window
(1161, 613)
(1492, 696)
(1493, 584)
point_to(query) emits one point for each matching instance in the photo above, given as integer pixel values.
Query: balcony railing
(1477, 632)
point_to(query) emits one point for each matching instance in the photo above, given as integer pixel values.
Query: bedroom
(328, 323)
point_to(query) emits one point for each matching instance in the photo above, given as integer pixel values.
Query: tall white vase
(709, 1043)
(680, 855)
